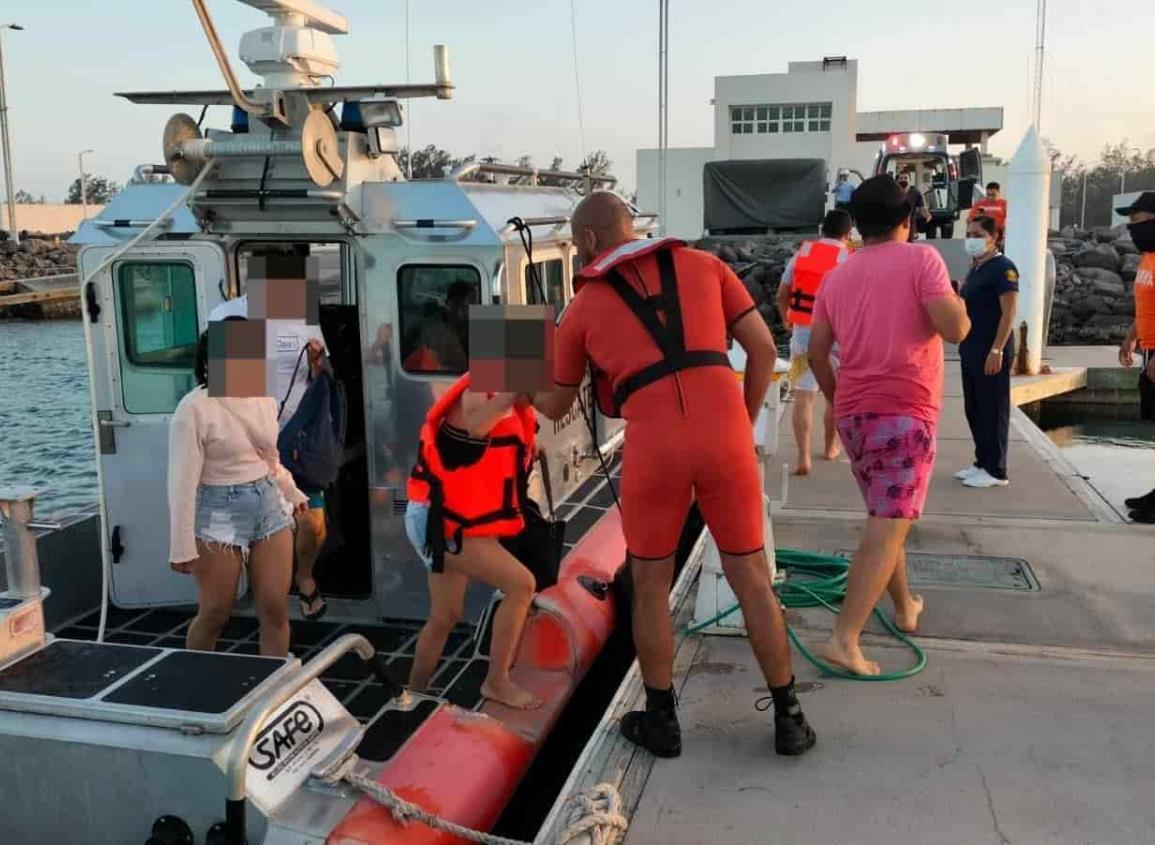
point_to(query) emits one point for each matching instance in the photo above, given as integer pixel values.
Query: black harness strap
(801, 302)
(670, 337)
(439, 513)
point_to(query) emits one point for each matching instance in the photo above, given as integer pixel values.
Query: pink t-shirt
(891, 356)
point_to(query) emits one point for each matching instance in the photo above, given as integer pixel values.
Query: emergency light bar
(916, 142)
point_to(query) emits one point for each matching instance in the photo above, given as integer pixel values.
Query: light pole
(4, 134)
(83, 182)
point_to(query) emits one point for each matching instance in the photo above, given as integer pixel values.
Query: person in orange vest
(994, 206)
(652, 317)
(474, 447)
(1141, 337)
(796, 295)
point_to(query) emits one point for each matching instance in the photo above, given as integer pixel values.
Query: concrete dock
(1031, 724)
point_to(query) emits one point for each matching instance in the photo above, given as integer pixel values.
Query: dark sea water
(45, 421)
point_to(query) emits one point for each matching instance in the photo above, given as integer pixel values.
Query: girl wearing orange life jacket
(465, 493)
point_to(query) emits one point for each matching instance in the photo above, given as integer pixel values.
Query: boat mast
(663, 105)
(1040, 55)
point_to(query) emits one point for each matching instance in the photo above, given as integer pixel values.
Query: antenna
(1040, 55)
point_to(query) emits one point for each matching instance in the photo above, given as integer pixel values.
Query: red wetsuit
(688, 434)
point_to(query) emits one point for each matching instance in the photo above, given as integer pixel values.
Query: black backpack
(312, 444)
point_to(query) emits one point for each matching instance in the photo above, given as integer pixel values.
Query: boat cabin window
(158, 316)
(336, 284)
(552, 276)
(433, 302)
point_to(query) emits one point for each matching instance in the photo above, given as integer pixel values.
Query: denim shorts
(240, 514)
(416, 521)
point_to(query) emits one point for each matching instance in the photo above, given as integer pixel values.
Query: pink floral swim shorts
(892, 458)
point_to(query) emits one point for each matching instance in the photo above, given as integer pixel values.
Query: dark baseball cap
(1144, 202)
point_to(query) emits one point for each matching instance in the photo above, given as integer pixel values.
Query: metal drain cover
(932, 569)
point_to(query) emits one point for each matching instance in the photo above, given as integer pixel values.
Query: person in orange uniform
(474, 447)
(1141, 337)
(796, 294)
(653, 317)
(994, 206)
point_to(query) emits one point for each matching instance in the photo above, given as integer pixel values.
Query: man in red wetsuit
(653, 317)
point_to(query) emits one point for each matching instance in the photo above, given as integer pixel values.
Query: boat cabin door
(144, 314)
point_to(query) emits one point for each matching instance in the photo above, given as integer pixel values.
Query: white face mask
(975, 247)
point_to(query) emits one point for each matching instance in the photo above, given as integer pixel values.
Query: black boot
(656, 728)
(792, 733)
(1141, 503)
(1145, 516)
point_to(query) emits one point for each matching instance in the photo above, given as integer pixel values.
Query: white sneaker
(964, 474)
(982, 478)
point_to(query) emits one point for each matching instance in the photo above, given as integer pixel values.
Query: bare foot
(850, 659)
(906, 620)
(833, 453)
(510, 694)
(803, 467)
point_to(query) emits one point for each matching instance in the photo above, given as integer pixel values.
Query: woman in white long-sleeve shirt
(231, 503)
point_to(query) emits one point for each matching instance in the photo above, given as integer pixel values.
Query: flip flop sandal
(309, 601)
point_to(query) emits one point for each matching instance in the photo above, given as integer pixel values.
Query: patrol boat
(110, 732)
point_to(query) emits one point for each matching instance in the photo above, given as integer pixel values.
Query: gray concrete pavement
(1031, 724)
(977, 749)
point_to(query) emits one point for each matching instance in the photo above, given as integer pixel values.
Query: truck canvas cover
(759, 194)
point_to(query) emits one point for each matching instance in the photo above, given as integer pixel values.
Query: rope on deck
(600, 823)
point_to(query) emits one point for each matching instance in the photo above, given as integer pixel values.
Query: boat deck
(1031, 722)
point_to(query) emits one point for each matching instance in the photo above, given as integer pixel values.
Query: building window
(772, 119)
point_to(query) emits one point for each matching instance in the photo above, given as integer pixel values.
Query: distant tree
(100, 190)
(598, 163)
(430, 162)
(557, 164)
(1101, 181)
(25, 198)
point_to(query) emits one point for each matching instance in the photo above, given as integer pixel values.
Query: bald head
(601, 222)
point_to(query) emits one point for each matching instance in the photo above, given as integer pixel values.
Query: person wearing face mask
(918, 210)
(991, 291)
(1141, 337)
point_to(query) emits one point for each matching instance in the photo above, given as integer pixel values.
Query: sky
(513, 63)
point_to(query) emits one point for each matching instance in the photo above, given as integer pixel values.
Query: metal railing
(470, 168)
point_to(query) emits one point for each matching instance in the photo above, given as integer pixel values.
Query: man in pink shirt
(888, 307)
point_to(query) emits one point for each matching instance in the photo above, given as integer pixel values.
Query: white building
(811, 111)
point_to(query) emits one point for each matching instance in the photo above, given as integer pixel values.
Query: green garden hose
(817, 580)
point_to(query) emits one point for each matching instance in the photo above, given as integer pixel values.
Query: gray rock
(1109, 321)
(1124, 305)
(1130, 267)
(1101, 255)
(1088, 306)
(727, 253)
(1126, 246)
(1089, 275)
(1108, 234)
(36, 247)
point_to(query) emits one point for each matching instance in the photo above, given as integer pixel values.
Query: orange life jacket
(814, 260)
(483, 499)
(1145, 302)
